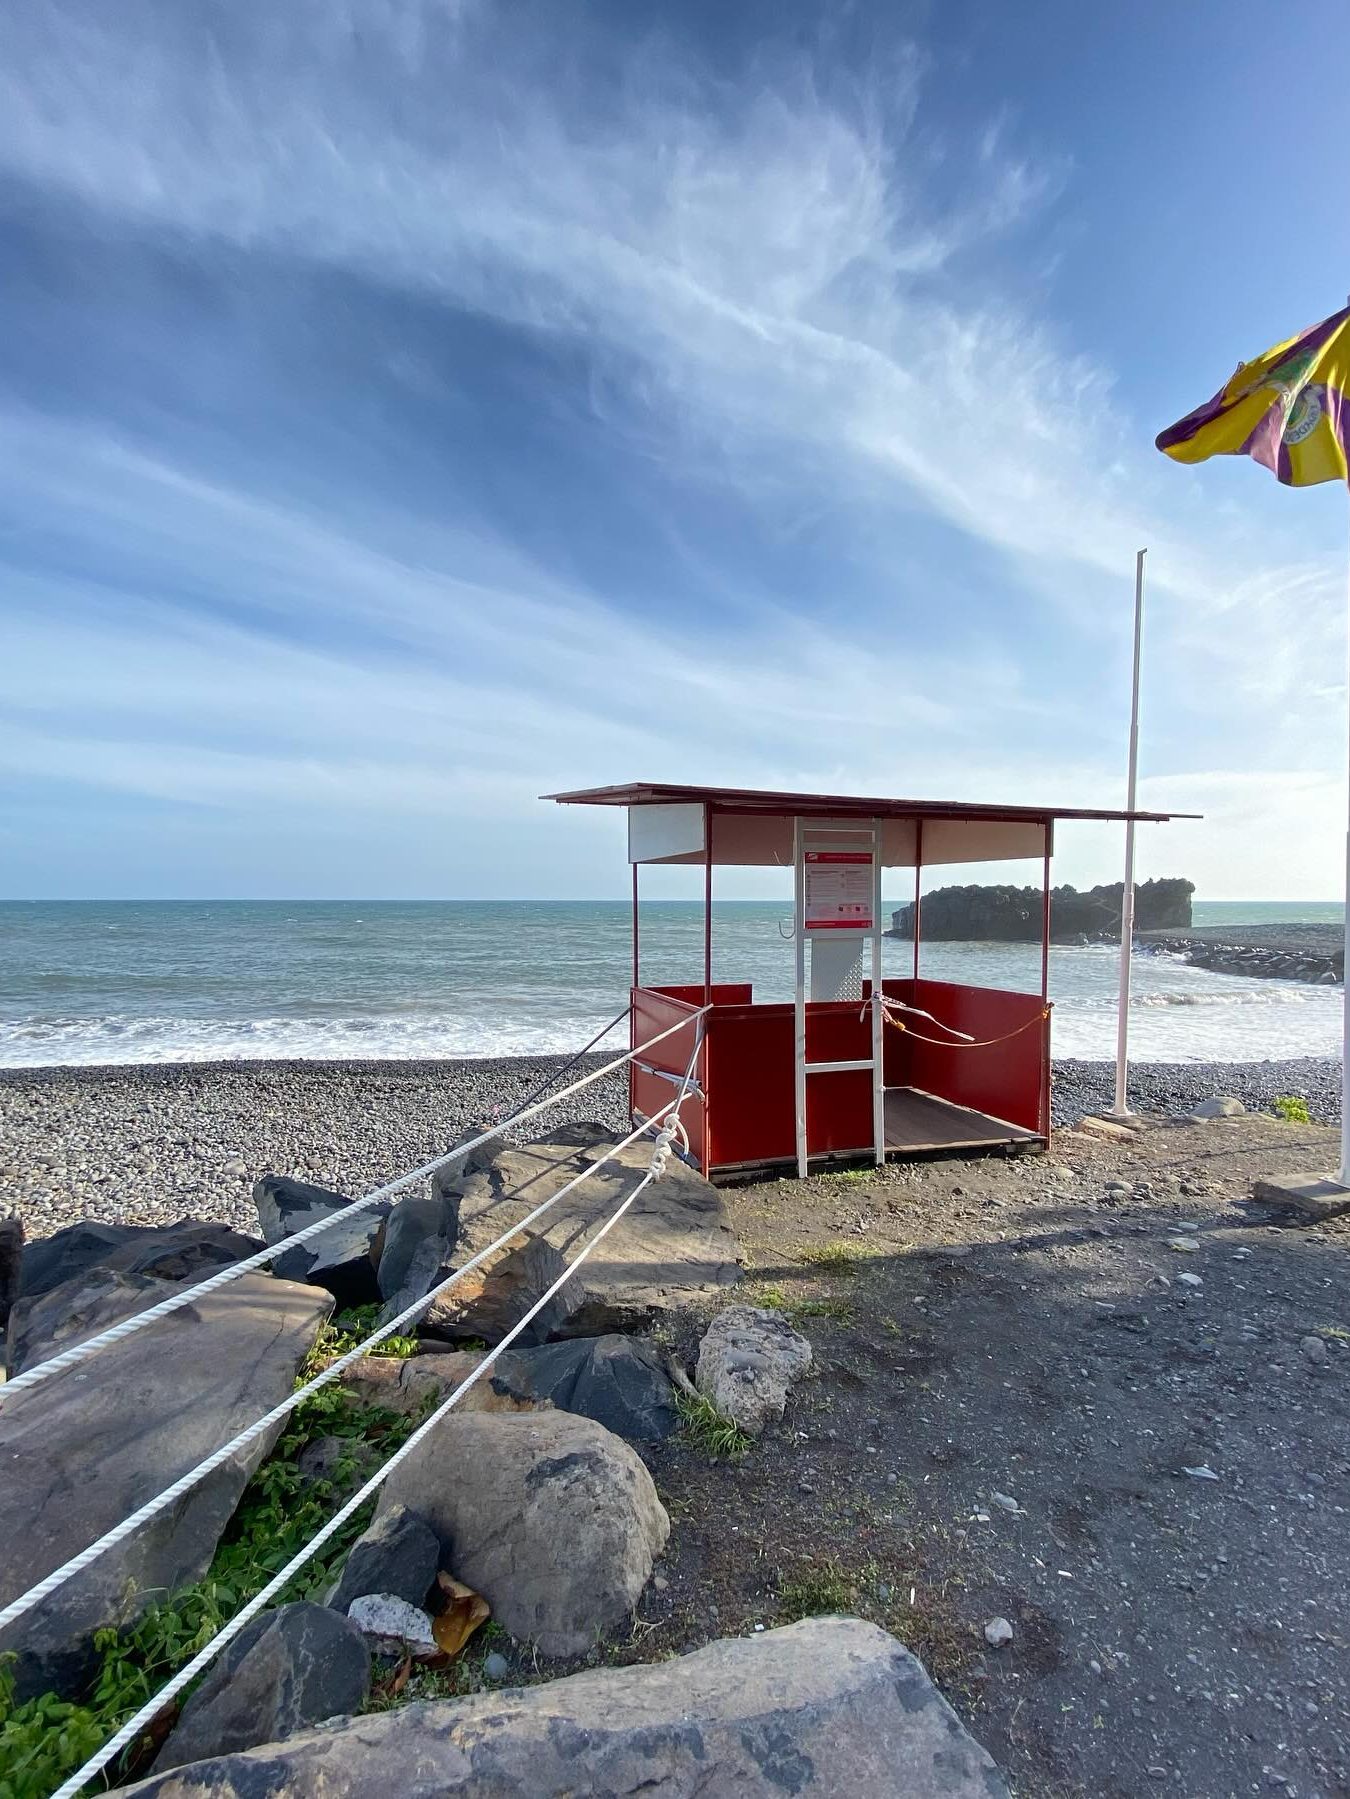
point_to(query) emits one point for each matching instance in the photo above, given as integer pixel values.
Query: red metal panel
(1009, 1078)
(653, 1012)
(752, 1117)
(727, 993)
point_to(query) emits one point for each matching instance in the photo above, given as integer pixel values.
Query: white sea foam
(35, 1043)
(253, 981)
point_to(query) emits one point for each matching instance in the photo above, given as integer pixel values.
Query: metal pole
(1122, 1106)
(633, 1026)
(707, 905)
(799, 998)
(877, 1017)
(1045, 915)
(918, 898)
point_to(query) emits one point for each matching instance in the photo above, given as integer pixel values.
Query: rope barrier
(970, 1042)
(79, 1352)
(207, 1654)
(129, 1525)
(572, 1061)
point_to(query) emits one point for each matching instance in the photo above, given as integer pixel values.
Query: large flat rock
(1314, 1196)
(84, 1449)
(831, 1707)
(75, 1311)
(674, 1245)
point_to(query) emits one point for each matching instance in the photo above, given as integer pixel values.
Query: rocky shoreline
(1279, 952)
(147, 1143)
(987, 1368)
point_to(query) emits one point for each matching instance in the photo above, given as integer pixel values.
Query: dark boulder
(76, 1310)
(614, 1380)
(52, 1261)
(11, 1261)
(190, 1249)
(494, 1296)
(419, 1242)
(399, 1554)
(343, 1259)
(286, 1670)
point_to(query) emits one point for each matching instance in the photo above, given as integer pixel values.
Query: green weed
(45, 1739)
(817, 1588)
(1293, 1108)
(352, 1327)
(805, 1305)
(710, 1430)
(836, 1258)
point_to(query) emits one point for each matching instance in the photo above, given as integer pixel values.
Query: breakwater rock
(1278, 952)
(1013, 914)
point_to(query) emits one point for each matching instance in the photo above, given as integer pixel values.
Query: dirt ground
(1001, 1333)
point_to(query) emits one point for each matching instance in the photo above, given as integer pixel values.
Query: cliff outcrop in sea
(1013, 914)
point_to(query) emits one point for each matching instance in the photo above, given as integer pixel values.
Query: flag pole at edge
(1122, 1105)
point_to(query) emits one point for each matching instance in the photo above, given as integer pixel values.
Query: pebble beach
(149, 1143)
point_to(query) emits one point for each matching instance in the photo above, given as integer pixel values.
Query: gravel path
(1015, 1367)
(147, 1144)
(1168, 1088)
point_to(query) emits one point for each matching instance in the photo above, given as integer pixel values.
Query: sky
(412, 407)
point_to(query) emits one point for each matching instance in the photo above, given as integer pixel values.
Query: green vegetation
(352, 1327)
(836, 1258)
(817, 1588)
(805, 1305)
(710, 1430)
(47, 1738)
(1293, 1108)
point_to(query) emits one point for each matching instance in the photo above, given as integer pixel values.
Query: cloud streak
(765, 306)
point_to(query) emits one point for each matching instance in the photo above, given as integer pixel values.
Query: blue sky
(408, 407)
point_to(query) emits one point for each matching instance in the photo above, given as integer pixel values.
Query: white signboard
(838, 890)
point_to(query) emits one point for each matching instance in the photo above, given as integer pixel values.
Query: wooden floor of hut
(918, 1121)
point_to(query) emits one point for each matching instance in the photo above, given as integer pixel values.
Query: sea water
(171, 981)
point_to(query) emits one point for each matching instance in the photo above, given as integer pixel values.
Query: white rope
(206, 1655)
(184, 1484)
(79, 1352)
(889, 1005)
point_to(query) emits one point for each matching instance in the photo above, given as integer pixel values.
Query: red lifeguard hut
(857, 1065)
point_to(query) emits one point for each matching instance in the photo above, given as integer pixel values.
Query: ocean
(187, 981)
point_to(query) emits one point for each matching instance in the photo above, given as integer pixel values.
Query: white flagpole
(1122, 1105)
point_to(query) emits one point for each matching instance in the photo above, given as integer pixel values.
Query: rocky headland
(1006, 914)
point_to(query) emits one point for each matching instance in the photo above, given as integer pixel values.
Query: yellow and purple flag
(1288, 409)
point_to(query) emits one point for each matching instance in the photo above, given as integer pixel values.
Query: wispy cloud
(766, 302)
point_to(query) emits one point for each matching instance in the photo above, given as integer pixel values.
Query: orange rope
(988, 1043)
